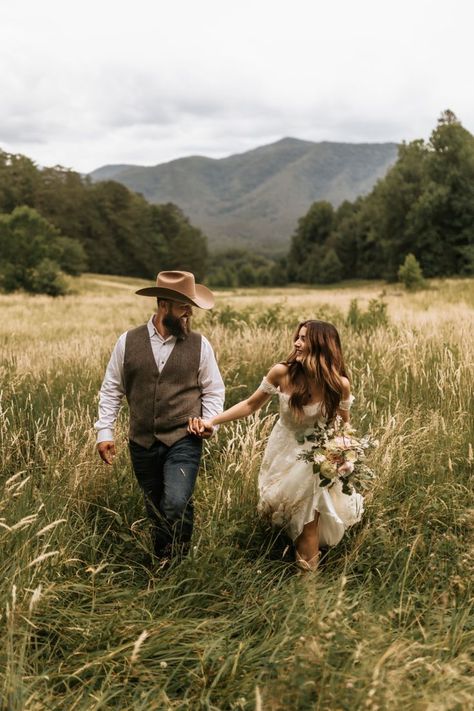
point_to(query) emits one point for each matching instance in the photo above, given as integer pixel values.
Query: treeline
(423, 206)
(54, 220)
(238, 267)
(112, 230)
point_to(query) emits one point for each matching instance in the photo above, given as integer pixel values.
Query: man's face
(177, 318)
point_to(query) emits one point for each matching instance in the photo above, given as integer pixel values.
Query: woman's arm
(242, 409)
(344, 412)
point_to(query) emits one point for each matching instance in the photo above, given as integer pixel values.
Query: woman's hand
(204, 428)
(199, 427)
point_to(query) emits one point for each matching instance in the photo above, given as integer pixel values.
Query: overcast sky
(93, 82)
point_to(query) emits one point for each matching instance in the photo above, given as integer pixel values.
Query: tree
(423, 206)
(442, 220)
(238, 267)
(33, 253)
(19, 180)
(312, 232)
(186, 246)
(390, 206)
(120, 232)
(331, 268)
(71, 255)
(343, 238)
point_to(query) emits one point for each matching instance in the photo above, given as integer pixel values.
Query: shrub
(375, 316)
(410, 273)
(46, 278)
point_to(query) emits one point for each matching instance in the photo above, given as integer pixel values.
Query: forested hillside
(54, 220)
(424, 206)
(113, 230)
(252, 200)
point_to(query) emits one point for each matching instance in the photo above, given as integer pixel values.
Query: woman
(312, 387)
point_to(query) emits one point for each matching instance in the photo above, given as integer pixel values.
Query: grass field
(388, 621)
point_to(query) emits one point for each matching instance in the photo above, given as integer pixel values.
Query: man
(168, 373)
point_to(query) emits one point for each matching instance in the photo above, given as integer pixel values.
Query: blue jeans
(167, 476)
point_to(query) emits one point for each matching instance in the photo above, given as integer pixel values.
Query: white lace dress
(289, 491)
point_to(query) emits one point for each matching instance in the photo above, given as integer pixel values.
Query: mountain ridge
(254, 199)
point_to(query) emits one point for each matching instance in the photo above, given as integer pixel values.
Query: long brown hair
(323, 364)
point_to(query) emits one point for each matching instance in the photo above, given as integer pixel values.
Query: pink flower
(346, 468)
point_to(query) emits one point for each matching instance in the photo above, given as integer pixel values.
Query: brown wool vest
(160, 403)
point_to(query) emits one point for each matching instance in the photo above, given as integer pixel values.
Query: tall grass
(89, 624)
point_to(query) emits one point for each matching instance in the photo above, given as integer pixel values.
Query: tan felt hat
(180, 286)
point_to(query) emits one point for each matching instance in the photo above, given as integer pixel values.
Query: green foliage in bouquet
(336, 453)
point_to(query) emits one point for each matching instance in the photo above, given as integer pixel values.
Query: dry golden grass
(387, 623)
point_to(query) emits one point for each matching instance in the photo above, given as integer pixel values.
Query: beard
(177, 327)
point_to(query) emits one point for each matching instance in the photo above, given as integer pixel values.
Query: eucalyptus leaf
(323, 481)
(346, 487)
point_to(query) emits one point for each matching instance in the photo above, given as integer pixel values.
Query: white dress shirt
(113, 387)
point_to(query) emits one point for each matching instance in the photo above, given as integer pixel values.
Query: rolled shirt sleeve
(210, 382)
(111, 393)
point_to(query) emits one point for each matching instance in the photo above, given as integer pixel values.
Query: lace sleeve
(346, 404)
(267, 387)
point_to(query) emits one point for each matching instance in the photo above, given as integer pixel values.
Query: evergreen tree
(344, 237)
(442, 220)
(410, 273)
(331, 268)
(386, 213)
(186, 246)
(312, 232)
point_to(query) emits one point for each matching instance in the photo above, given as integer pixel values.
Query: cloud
(109, 82)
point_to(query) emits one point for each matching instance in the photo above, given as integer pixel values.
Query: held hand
(106, 451)
(194, 426)
(207, 429)
(200, 427)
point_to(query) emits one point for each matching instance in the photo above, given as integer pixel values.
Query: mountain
(254, 199)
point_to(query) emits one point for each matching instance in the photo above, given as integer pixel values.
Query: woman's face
(301, 345)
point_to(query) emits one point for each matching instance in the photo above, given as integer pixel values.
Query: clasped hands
(196, 426)
(199, 427)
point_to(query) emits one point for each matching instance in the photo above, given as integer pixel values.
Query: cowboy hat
(180, 286)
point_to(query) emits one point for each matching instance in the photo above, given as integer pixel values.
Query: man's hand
(106, 451)
(200, 428)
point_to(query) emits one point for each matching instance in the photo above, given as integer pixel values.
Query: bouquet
(337, 454)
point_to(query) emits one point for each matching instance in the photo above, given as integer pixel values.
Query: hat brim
(204, 298)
